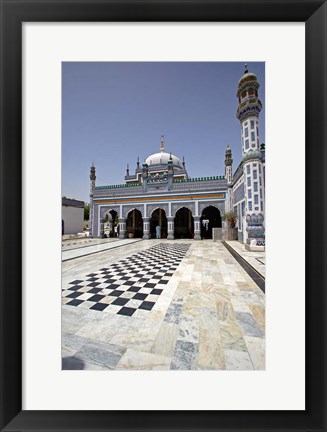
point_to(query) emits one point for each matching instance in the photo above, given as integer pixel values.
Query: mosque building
(161, 192)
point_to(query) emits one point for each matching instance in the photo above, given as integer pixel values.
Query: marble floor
(161, 305)
(256, 259)
(76, 251)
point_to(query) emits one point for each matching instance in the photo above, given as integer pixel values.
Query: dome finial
(162, 144)
(246, 69)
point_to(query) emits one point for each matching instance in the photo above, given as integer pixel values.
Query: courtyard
(162, 305)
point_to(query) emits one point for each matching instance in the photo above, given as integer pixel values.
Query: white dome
(162, 158)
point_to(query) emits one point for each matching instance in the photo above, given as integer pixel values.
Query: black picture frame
(13, 14)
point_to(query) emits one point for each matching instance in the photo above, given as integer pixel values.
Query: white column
(196, 209)
(170, 223)
(197, 228)
(122, 228)
(146, 228)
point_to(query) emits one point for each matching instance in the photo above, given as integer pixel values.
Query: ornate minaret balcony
(247, 93)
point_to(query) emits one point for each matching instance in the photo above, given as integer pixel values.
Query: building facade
(72, 216)
(160, 191)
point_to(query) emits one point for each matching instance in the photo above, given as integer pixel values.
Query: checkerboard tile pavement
(133, 283)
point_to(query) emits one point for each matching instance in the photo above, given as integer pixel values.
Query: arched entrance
(210, 218)
(183, 224)
(134, 224)
(111, 223)
(158, 217)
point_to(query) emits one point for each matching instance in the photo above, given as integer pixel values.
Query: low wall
(224, 234)
(217, 234)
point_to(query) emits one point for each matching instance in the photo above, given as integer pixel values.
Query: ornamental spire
(228, 156)
(162, 144)
(92, 172)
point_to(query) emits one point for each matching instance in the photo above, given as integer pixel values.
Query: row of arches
(183, 223)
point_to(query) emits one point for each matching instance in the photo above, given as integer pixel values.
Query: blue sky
(113, 112)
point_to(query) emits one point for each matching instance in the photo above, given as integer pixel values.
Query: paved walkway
(159, 305)
(81, 242)
(89, 249)
(256, 259)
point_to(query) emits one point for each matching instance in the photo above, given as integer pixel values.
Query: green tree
(86, 211)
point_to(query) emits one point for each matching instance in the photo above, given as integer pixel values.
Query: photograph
(140, 228)
(163, 216)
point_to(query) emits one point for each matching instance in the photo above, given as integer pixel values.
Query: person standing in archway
(158, 231)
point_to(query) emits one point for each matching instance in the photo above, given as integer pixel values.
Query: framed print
(64, 67)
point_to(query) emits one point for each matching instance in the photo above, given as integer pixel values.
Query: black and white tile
(133, 283)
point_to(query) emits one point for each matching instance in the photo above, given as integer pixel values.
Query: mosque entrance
(110, 224)
(210, 218)
(183, 224)
(113, 223)
(134, 224)
(158, 217)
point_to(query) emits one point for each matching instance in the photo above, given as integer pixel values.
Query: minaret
(170, 169)
(162, 144)
(229, 178)
(92, 187)
(248, 113)
(145, 172)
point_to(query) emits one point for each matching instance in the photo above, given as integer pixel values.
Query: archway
(111, 223)
(183, 224)
(134, 224)
(210, 218)
(158, 217)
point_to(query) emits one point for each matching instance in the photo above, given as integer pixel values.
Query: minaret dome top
(248, 79)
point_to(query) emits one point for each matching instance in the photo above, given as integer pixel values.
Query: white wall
(73, 218)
